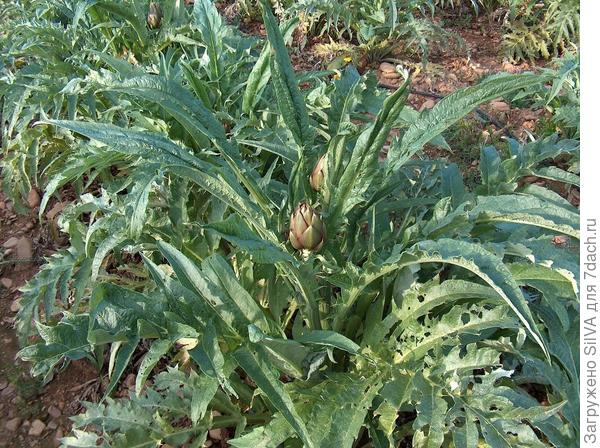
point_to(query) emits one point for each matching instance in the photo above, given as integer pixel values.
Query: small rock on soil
(37, 428)
(13, 424)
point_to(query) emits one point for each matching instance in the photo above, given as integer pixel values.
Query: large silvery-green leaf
(209, 22)
(417, 302)
(217, 285)
(452, 108)
(255, 366)
(235, 230)
(330, 339)
(290, 99)
(117, 314)
(418, 338)
(217, 270)
(362, 169)
(431, 412)
(157, 350)
(156, 148)
(343, 102)
(525, 209)
(334, 410)
(260, 75)
(129, 15)
(555, 285)
(198, 120)
(491, 270)
(274, 433)
(52, 280)
(555, 173)
(142, 185)
(140, 421)
(467, 255)
(65, 340)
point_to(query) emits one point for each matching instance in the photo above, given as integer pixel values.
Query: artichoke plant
(155, 16)
(307, 231)
(317, 177)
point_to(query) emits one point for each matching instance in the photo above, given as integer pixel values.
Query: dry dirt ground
(36, 415)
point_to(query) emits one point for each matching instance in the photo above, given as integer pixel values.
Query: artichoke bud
(307, 231)
(317, 177)
(155, 16)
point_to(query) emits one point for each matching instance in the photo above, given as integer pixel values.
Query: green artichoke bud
(155, 16)
(307, 231)
(317, 177)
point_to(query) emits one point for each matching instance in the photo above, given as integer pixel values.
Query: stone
(8, 391)
(13, 424)
(15, 306)
(216, 434)
(508, 67)
(208, 444)
(130, 380)
(54, 411)
(500, 106)
(24, 248)
(3, 384)
(33, 198)
(390, 76)
(52, 425)
(10, 243)
(428, 104)
(6, 282)
(37, 428)
(386, 67)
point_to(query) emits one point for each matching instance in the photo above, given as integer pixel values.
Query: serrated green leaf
(452, 108)
(156, 351)
(235, 230)
(290, 100)
(254, 365)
